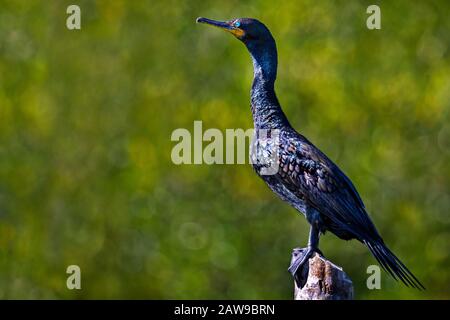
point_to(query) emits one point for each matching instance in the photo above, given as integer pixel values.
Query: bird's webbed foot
(299, 260)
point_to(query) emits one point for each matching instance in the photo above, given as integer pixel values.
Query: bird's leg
(302, 255)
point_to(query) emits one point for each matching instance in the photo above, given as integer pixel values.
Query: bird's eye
(237, 24)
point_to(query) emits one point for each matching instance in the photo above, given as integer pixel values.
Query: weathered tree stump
(320, 279)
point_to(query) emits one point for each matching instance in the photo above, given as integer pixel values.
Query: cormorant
(306, 178)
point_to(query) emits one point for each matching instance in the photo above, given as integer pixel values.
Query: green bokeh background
(86, 117)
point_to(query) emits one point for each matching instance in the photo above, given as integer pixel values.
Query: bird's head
(249, 31)
(258, 40)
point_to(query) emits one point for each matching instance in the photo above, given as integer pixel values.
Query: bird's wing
(310, 174)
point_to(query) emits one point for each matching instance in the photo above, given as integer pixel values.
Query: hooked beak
(237, 32)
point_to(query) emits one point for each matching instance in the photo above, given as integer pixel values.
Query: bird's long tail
(389, 262)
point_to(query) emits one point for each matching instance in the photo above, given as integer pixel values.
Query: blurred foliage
(86, 117)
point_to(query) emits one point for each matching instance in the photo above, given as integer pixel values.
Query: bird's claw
(299, 257)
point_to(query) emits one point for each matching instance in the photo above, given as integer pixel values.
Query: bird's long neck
(266, 110)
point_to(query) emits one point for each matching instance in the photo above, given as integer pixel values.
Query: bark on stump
(325, 281)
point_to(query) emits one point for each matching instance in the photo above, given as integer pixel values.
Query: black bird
(306, 178)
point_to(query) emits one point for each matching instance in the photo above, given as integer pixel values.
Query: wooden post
(324, 281)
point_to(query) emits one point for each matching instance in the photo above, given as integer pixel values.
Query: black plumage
(306, 178)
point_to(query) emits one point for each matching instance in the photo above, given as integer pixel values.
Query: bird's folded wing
(310, 174)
